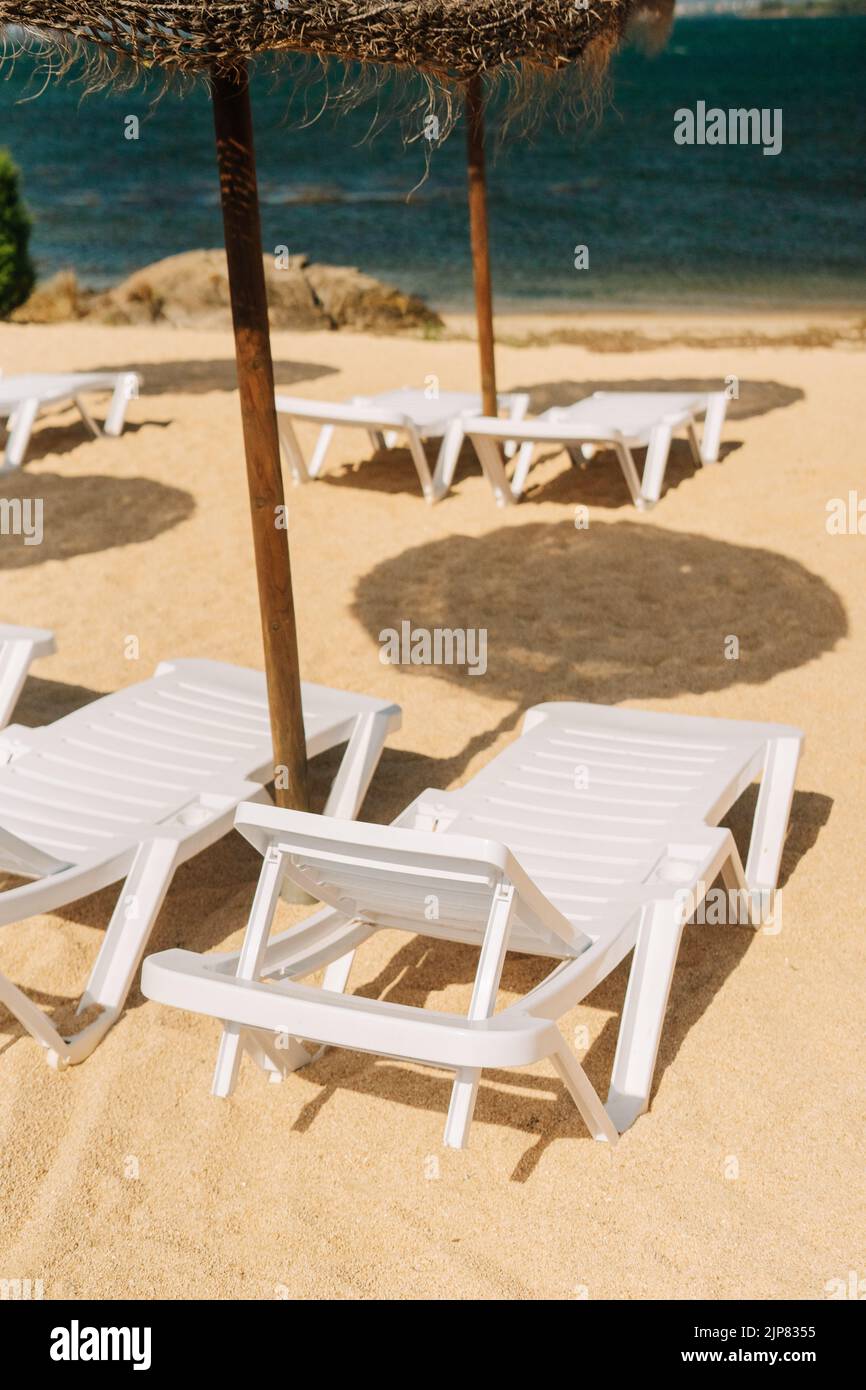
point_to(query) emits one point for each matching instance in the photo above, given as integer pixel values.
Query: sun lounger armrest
(692, 860)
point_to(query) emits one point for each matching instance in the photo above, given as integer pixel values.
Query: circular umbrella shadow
(618, 611)
(46, 516)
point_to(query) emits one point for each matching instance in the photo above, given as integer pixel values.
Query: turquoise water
(663, 223)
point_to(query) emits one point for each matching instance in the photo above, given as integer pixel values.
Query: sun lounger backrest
(434, 883)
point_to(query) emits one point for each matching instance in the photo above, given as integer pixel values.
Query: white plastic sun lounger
(589, 837)
(133, 785)
(385, 418)
(18, 647)
(621, 420)
(22, 398)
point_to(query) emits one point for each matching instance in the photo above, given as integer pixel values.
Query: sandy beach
(124, 1177)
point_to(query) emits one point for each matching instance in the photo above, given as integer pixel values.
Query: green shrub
(17, 276)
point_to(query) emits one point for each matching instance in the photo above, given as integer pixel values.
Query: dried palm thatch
(453, 39)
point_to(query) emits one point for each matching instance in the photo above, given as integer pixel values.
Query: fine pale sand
(123, 1177)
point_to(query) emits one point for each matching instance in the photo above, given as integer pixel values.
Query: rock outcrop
(192, 291)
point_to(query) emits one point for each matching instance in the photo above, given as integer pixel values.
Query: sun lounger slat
(15, 795)
(128, 734)
(101, 794)
(124, 774)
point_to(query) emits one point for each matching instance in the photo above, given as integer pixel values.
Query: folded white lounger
(621, 420)
(22, 398)
(385, 418)
(589, 836)
(133, 785)
(18, 647)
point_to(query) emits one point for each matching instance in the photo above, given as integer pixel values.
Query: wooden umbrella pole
(480, 240)
(240, 206)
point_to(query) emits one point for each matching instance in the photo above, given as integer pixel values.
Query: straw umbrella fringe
(457, 37)
(452, 39)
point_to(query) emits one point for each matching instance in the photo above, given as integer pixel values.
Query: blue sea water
(664, 224)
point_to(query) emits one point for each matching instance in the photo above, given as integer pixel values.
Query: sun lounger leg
(276, 1056)
(771, 820)
(521, 468)
(323, 444)
(741, 911)
(630, 473)
(87, 417)
(20, 426)
(656, 463)
(249, 968)
(694, 446)
(336, 975)
(116, 963)
(585, 1097)
(713, 421)
(345, 799)
(449, 453)
(494, 470)
(360, 761)
(422, 467)
(14, 664)
(125, 390)
(493, 948)
(292, 449)
(643, 1014)
(464, 1093)
(135, 912)
(519, 407)
(38, 1025)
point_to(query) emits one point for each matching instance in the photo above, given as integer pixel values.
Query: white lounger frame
(19, 646)
(23, 397)
(574, 428)
(384, 425)
(446, 848)
(134, 784)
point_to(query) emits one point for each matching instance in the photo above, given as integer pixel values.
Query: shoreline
(515, 309)
(611, 329)
(649, 330)
(506, 307)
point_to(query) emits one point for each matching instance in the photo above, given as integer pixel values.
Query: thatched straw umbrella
(453, 42)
